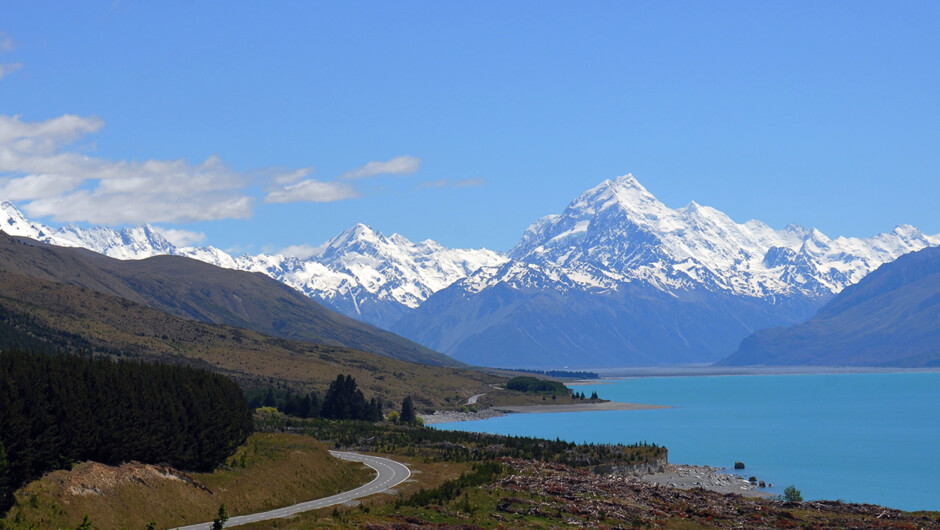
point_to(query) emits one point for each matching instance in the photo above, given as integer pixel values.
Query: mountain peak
(628, 181)
(624, 194)
(357, 233)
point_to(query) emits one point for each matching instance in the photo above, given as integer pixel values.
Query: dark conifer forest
(342, 401)
(56, 410)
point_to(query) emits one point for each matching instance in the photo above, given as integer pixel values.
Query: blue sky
(259, 125)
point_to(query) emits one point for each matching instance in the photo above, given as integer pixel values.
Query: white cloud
(180, 238)
(9, 68)
(114, 209)
(447, 183)
(301, 251)
(313, 191)
(469, 183)
(291, 176)
(442, 183)
(6, 43)
(39, 170)
(67, 186)
(401, 165)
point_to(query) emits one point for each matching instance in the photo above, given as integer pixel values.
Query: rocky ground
(536, 494)
(707, 477)
(585, 499)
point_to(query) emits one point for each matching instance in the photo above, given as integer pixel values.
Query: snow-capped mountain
(360, 272)
(618, 232)
(366, 275)
(617, 278)
(129, 243)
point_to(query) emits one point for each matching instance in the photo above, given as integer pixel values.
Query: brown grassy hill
(195, 290)
(45, 315)
(291, 468)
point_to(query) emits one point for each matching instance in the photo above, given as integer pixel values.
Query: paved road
(390, 474)
(473, 399)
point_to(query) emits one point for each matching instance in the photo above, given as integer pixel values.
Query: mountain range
(190, 289)
(890, 318)
(616, 279)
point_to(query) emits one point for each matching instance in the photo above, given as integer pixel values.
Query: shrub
(791, 494)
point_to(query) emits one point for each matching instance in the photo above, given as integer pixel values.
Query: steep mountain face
(890, 318)
(618, 278)
(195, 290)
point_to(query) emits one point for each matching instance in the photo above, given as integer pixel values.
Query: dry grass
(424, 475)
(279, 470)
(111, 324)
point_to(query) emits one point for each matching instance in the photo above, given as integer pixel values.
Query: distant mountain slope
(890, 318)
(527, 316)
(193, 289)
(45, 316)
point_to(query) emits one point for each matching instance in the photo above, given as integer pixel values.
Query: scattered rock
(706, 477)
(739, 465)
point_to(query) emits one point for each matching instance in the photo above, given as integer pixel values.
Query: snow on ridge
(359, 259)
(618, 226)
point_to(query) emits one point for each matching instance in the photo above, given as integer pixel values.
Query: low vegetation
(434, 445)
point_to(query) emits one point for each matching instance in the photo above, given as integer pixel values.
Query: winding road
(389, 475)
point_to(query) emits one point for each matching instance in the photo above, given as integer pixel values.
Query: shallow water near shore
(872, 438)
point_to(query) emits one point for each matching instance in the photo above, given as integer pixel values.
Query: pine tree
(219, 522)
(407, 411)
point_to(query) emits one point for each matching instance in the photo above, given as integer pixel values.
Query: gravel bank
(711, 478)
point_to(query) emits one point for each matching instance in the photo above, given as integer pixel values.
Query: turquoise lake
(872, 438)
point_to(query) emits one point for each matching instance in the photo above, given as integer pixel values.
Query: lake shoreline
(710, 370)
(497, 411)
(682, 476)
(832, 436)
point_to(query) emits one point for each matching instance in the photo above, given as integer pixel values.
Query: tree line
(60, 409)
(343, 401)
(535, 385)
